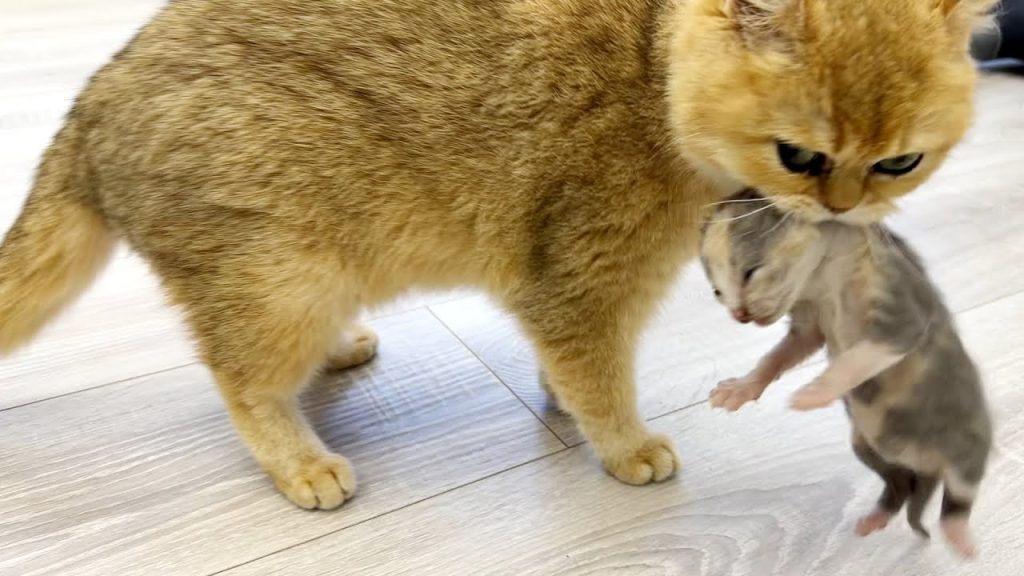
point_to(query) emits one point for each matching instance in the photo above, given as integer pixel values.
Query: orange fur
(858, 80)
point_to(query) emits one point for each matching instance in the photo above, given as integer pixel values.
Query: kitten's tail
(921, 492)
(56, 247)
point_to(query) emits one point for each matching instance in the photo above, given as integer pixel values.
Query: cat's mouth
(815, 212)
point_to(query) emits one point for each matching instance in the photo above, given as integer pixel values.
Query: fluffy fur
(283, 163)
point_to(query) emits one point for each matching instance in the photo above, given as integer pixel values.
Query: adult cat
(281, 163)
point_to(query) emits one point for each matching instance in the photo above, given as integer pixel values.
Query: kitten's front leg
(850, 369)
(799, 343)
(897, 322)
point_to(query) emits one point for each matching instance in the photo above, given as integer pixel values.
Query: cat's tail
(58, 244)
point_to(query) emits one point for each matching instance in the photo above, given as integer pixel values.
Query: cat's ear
(964, 16)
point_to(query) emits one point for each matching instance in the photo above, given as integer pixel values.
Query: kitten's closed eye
(749, 274)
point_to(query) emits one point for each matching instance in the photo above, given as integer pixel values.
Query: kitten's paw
(873, 522)
(733, 393)
(356, 346)
(323, 483)
(812, 397)
(653, 461)
(959, 537)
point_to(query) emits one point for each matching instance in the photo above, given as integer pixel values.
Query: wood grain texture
(147, 477)
(122, 328)
(763, 492)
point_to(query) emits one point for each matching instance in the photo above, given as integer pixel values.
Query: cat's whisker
(734, 201)
(741, 216)
(785, 216)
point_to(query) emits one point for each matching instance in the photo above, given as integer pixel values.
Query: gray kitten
(913, 394)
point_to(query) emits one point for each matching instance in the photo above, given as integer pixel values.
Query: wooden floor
(116, 457)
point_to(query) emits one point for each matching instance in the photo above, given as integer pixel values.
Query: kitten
(912, 392)
(283, 163)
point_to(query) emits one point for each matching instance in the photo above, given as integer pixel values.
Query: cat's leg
(263, 346)
(588, 359)
(356, 345)
(542, 379)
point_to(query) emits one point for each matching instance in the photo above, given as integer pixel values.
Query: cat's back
(423, 73)
(430, 99)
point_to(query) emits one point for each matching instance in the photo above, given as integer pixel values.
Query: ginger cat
(283, 163)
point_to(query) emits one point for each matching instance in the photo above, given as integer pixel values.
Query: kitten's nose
(741, 315)
(838, 209)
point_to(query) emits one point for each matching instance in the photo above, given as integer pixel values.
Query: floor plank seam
(99, 386)
(495, 375)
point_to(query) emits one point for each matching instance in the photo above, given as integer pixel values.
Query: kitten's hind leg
(898, 487)
(957, 501)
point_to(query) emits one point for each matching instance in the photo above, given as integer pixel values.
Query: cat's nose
(842, 191)
(741, 315)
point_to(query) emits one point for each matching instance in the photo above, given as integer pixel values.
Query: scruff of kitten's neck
(845, 246)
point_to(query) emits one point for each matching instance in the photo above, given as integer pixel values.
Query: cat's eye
(801, 160)
(898, 165)
(718, 293)
(749, 274)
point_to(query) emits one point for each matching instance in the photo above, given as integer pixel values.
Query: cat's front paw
(733, 393)
(324, 482)
(653, 461)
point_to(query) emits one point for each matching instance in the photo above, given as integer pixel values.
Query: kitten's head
(832, 108)
(758, 258)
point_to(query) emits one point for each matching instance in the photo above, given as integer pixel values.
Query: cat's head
(832, 108)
